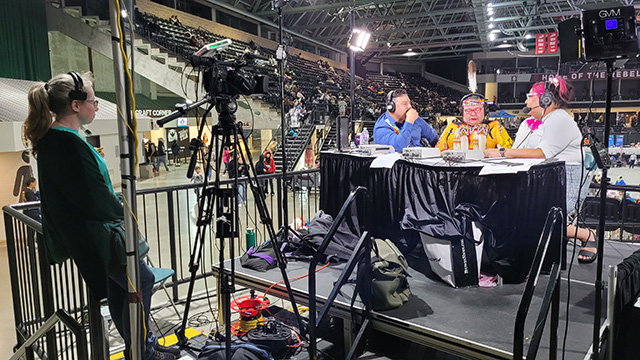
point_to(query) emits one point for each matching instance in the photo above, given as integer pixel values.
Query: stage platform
(473, 323)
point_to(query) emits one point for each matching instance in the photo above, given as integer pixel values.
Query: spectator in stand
(632, 160)
(401, 126)
(270, 168)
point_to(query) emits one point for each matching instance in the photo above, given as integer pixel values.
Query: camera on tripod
(229, 77)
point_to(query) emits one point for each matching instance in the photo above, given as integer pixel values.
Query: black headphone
(77, 93)
(391, 106)
(548, 97)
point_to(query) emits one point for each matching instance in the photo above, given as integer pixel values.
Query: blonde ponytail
(39, 118)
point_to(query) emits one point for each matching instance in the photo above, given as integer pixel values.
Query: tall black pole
(603, 200)
(352, 72)
(283, 126)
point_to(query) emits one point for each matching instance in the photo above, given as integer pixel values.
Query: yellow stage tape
(166, 341)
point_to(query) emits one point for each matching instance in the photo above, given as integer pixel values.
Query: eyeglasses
(94, 102)
(530, 95)
(473, 111)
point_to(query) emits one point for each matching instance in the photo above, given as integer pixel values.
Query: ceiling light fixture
(358, 40)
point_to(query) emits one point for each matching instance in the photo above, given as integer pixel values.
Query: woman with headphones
(77, 198)
(553, 133)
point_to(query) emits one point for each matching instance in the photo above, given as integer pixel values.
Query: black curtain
(24, 41)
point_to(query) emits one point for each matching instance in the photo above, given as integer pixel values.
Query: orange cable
(293, 279)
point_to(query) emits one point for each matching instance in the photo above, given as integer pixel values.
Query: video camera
(235, 77)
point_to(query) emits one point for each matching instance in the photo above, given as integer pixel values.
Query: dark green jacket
(76, 201)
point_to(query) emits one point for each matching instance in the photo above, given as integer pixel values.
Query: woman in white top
(551, 132)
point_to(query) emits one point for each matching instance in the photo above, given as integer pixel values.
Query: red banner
(541, 43)
(553, 42)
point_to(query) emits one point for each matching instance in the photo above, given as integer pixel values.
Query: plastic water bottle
(364, 139)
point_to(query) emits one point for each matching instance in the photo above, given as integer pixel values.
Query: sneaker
(166, 349)
(157, 355)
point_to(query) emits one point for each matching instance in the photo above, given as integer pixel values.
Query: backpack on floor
(389, 276)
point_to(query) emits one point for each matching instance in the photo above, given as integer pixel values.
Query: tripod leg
(261, 204)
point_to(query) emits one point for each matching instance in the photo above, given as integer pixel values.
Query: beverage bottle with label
(364, 138)
(456, 140)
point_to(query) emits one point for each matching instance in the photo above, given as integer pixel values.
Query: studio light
(358, 40)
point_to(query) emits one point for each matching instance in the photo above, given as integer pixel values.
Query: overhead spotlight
(358, 40)
(492, 36)
(123, 13)
(490, 26)
(528, 36)
(491, 18)
(410, 52)
(490, 11)
(498, 71)
(388, 44)
(489, 5)
(504, 41)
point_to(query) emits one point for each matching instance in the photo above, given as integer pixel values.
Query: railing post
(47, 293)
(172, 243)
(13, 275)
(97, 335)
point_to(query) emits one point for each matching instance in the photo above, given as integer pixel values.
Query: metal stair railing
(39, 290)
(361, 251)
(59, 316)
(554, 228)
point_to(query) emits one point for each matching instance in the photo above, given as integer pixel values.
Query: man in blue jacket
(401, 126)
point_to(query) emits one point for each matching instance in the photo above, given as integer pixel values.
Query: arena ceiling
(431, 29)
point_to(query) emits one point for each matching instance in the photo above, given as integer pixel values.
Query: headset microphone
(527, 109)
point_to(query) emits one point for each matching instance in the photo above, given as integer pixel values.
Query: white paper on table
(386, 160)
(508, 166)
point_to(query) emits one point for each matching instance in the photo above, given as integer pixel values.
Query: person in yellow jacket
(473, 108)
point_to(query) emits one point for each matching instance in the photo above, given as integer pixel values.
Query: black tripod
(224, 202)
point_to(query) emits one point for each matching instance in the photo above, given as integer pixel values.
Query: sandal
(589, 256)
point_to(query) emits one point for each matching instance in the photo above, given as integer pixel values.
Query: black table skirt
(514, 206)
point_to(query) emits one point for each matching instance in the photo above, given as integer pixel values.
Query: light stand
(352, 78)
(281, 55)
(601, 221)
(357, 43)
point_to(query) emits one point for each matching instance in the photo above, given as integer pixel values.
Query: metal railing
(166, 218)
(553, 229)
(40, 289)
(361, 252)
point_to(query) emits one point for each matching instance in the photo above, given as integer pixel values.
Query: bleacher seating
(314, 81)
